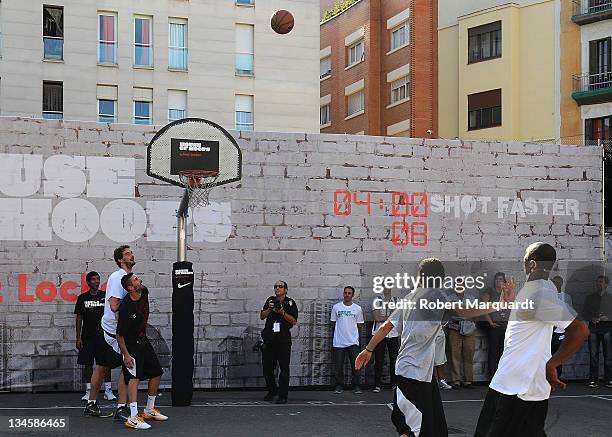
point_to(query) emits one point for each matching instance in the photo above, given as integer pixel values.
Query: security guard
(280, 313)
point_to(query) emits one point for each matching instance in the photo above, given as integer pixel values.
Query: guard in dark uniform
(280, 313)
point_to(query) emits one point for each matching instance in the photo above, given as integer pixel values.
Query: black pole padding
(182, 210)
(182, 333)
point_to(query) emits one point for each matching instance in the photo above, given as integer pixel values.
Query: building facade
(378, 69)
(498, 69)
(155, 61)
(592, 77)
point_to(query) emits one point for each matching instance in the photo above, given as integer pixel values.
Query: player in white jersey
(111, 355)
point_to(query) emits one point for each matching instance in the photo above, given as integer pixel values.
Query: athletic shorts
(147, 364)
(91, 350)
(107, 354)
(509, 416)
(417, 409)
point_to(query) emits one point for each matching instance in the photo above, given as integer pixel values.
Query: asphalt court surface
(578, 411)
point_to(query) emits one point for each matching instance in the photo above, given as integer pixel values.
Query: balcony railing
(589, 11)
(592, 88)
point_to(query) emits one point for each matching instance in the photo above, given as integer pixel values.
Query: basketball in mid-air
(282, 22)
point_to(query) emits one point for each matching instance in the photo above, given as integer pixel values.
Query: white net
(198, 184)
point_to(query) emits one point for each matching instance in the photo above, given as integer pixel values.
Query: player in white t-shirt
(347, 318)
(517, 401)
(111, 354)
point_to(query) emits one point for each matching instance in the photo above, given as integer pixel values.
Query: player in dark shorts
(139, 359)
(89, 309)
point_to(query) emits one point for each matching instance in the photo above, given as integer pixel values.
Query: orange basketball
(282, 22)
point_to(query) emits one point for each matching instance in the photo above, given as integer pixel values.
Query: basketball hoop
(198, 183)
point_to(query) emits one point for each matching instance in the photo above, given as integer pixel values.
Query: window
(244, 112)
(143, 41)
(600, 63)
(399, 36)
(400, 89)
(325, 114)
(177, 105)
(143, 98)
(107, 111)
(355, 53)
(53, 101)
(598, 131)
(355, 103)
(177, 44)
(244, 49)
(245, 2)
(325, 67)
(107, 38)
(484, 109)
(484, 42)
(53, 32)
(107, 103)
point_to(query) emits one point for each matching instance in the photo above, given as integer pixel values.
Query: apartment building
(160, 60)
(378, 68)
(592, 76)
(498, 69)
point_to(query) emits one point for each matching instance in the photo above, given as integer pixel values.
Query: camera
(259, 346)
(277, 303)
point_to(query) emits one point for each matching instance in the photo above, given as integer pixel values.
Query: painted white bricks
(284, 227)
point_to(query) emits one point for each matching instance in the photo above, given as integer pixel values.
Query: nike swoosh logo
(183, 285)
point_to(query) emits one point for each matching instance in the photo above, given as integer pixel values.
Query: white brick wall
(284, 227)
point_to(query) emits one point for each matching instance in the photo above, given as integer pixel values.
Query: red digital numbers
(345, 202)
(415, 204)
(402, 205)
(404, 234)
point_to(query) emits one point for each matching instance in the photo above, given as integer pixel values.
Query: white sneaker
(444, 385)
(137, 423)
(109, 395)
(153, 414)
(86, 396)
(376, 389)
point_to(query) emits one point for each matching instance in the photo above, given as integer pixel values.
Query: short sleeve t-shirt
(418, 326)
(522, 367)
(113, 289)
(346, 317)
(133, 318)
(90, 307)
(385, 312)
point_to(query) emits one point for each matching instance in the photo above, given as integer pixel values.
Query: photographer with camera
(280, 313)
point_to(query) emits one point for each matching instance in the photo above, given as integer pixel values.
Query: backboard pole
(181, 229)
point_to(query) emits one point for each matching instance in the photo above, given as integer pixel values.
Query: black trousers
(417, 409)
(340, 354)
(392, 345)
(495, 348)
(277, 352)
(603, 338)
(556, 341)
(508, 416)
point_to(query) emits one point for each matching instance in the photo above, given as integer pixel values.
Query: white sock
(151, 402)
(133, 409)
(107, 385)
(92, 400)
(88, 385)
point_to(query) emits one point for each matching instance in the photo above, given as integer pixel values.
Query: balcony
(589, 89)
(589, 11)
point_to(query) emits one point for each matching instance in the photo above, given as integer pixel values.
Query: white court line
(302, 404)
